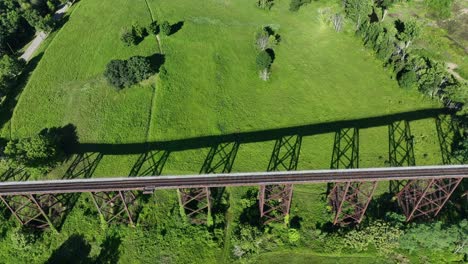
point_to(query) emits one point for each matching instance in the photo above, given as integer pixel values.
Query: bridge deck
(150, 183)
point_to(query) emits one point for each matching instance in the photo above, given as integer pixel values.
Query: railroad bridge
(428, 188)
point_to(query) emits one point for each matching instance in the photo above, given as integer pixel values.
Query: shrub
(139, 67)
(128, 37)
(138, 31)
(154, 28)
(124, 73)
(408, 80)
(264, 60)
(166, 28)
(265, 4)
(296, 4)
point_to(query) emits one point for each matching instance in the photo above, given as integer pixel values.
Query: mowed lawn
(212, 85)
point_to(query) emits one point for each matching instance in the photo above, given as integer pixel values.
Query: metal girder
(275, 200)
(118, 206)
(349, 200)
(196, 203)
(37, 210)
(400, 150)
(426, 197)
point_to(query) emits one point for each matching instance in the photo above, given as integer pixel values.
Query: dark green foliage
(460, 152)
(42, 151)
(124, 73)
(296, 4)
(440, 8)
(408, 80)
(140, 67)
(265, 4)
(153, 28)
(128, 37)
(166, 28)
(264, 60)
(45, 23)
(117, 74)
(10, 68)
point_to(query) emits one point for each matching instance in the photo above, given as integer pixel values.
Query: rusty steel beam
(349, 200)
(427, 197)
(275, 200)
(116, 206)
(196, 203)
(36, 210)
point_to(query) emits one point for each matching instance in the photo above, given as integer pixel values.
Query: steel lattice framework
(197, 201)
(400, 150)
(275, 200)
(349, 200)
(116, 206)
(427, 197)
(38, 210)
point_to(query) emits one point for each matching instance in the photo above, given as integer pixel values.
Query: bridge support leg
(196, 203)
(426, 197)
(38, 210)
(349, 200)
(118, 206)
(400, 150)
(275, 200)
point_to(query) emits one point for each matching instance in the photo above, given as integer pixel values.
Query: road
(151, 183)
(41, 36)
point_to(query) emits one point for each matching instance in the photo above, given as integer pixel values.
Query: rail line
(151, 183)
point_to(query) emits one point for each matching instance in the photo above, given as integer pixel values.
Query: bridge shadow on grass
(257, 136)
(6, 110)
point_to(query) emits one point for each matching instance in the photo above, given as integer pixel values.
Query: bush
(166, 28)
(296, 4)
(124, 73)
(408, 80)
(154, 28)
(128, 37)
(139, 67)
(265, 4)
(264, 60)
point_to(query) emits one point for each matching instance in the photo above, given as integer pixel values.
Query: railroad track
(151, 183)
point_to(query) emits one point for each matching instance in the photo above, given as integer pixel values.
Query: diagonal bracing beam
(275, 200)
(197, 202)
(400, 150)
(37, 210)
(118, 206)
(425, 198)
(349, 200)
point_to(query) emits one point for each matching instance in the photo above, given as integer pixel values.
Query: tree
(139, 67)
(408, 80)
(117, 73)
(42, 150)
(264, 61)
(10, 67)
(384, 5)
(154, 27)
(265, 4)
(407, 31)
(127, 37)
(166, 28)
(358, 10)
(296, 4)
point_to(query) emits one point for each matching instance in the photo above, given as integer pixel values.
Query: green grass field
(321, 79)
(212, 88)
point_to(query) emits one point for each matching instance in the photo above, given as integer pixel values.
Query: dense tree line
(19, 18)
(10, 69)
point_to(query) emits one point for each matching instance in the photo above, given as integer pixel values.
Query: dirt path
(451, 69)
(41, 36)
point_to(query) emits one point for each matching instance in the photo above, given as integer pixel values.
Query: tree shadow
(250, 214)
(109, 251)
(75, 250)
(271, 53)
(6, 110)
(295, 222)
(150, 163)
(156, 60)
(176, 27)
